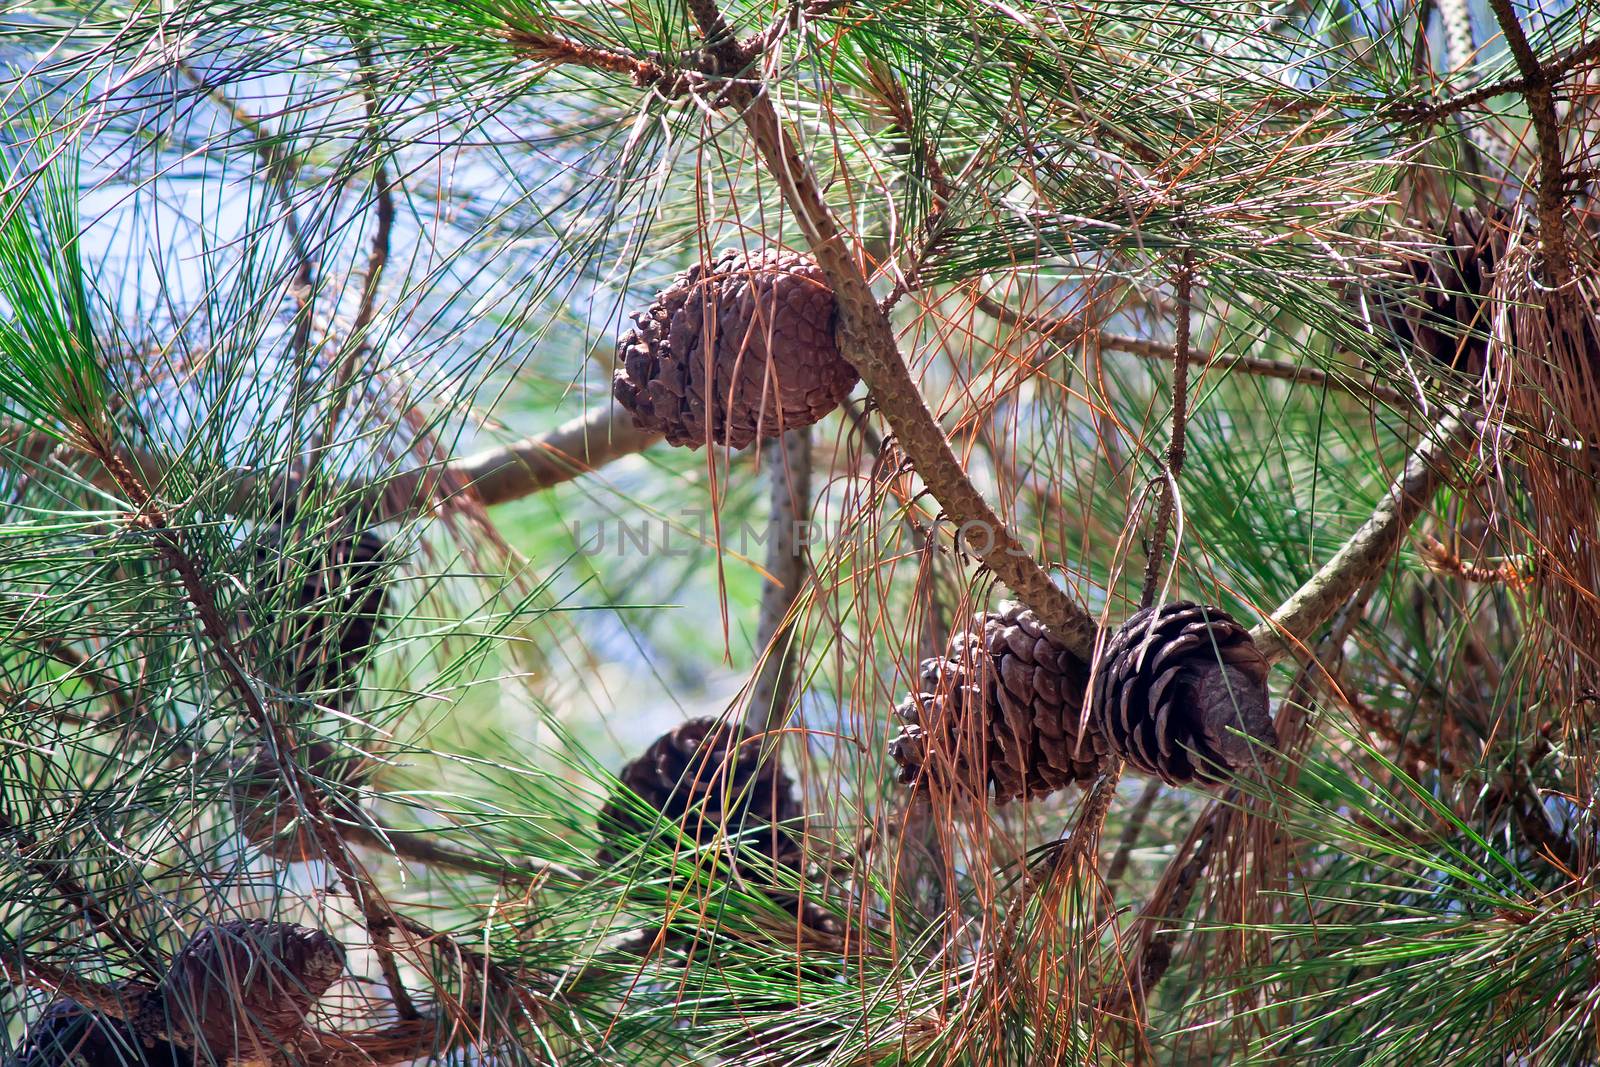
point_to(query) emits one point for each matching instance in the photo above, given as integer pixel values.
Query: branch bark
(867, 340)
(1173, 465)
(789, 460)
(1368, 551)
(1553, 71)
(1551, 198)
(575, 448)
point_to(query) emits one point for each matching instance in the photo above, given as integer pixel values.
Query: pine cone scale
(998, 714)
(1174, 683)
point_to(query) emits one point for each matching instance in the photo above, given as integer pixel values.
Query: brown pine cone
(1167, 698)
(708, 778)
(247, 983)
(999, 710)
(1445, 316)
(67, 1034)
(773, 365)
(337, 612)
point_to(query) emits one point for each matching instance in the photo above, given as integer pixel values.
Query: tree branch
(1553, 71)
(572, 449)
(118, 1001)
(1049, 327)
(1368, 551)
(789, 467)
(1550, 199)
(1156, 559)
(867, 340)
(1131, 830)
(57, 870)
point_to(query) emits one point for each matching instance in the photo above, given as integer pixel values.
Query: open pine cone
(67, 1034)
(999, 710)
(708, 778)
(772, 365)
(1167, 697)
(248, 983)
(1445, 315)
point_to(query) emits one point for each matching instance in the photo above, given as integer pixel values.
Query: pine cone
(775, 366)
(709, 779)
(1166, 698)
(268, 816)
(999, 710)
(1445, 316)
(247, 982)
(337, 613)
(69, 1035)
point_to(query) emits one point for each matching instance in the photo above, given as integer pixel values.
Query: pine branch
(1554, 71)
(510, 472)
(118, 1001)
(1131, 831)
(867, 340)
(789, 467)
(1367, 553)
(1070, 331)
(496, 475)
(548, 49)
(1551, 196)
(378, 916)
(57, 870)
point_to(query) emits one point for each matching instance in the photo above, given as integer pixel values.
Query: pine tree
(753, 533)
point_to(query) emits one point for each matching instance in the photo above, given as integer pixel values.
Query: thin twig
(1069, 331)
(57, 870)
(377, 259)
(1553, 71)
(1131, 829)
(1155, 559)
(413, 847)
